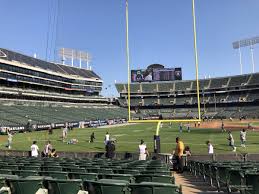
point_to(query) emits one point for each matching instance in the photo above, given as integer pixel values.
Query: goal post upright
(158, 122)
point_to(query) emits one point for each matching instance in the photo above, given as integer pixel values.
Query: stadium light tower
(73, 54)
(245, 43)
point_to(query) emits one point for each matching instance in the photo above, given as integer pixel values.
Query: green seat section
(6, 171)
(126, 171)
(252, 181)
(54, 174)
(154, 178)
(36, 168)
(127, 177)
(25, 185)
(63, 186)
(107, 186)
(156, 172)
(10, 167)
(83, 176)
(52, 168)
(25, 173)
(154, 188)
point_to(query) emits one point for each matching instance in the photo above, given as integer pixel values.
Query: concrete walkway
(193, 185)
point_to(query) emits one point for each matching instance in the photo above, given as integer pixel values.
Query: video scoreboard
(163, 74)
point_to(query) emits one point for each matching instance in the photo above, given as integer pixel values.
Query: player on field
(188, 127)
(64, 132)
(210, 147)
(10, 139)
(243, 138)
(47, 149)
(222, 127)
(34, 149)
(92, 137)
(181, 127)
(231, 141)
(106, 138)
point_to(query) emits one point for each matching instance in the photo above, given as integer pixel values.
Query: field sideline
(128, 138)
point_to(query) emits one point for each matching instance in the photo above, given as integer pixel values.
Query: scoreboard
(163, 74)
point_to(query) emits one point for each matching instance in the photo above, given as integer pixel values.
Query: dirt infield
(229, 124)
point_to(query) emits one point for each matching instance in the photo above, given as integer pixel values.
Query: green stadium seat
(55, 174)
(127, 177)
(6, 171)
(25, 185)
(25, 173)
(154, 178)
(63, 186)
(154, 188)
(107, 186)
(83, 176)
(156, 172)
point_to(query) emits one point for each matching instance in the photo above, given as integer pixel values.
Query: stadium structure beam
(245, 43)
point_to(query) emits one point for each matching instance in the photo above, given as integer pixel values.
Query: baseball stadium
(159, 132)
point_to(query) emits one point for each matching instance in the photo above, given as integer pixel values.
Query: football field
(129, 136)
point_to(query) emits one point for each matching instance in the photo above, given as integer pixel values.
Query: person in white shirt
(64, 132)
(142, 150)
(47, 149)
(34, 149)
(243, 138)
(210, 148)
(106, 138)
(231, 141)
(10, 139)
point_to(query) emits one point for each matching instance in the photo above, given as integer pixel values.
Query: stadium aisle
(193, 185)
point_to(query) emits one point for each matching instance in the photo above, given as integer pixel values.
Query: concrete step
(194, 185)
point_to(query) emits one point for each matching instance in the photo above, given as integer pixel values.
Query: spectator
(231, 141)
(210, 147)
(53, 153)
(47, 149)
(106, 138)
(50, 130)
(178, 154)
(92, 137)
(34, 149)
(243, 138)
(187, 151)
(110, 149)
(142, 150)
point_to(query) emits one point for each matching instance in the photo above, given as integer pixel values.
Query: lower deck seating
(24, 175)
(232, 176)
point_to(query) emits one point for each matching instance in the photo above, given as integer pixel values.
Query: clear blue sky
(159, 32)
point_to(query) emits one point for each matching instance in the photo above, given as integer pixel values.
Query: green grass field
(128, 138)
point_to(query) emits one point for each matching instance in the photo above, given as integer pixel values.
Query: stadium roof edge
(15, 52)
(247, 74)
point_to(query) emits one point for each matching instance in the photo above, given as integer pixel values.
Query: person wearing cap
(179, 154)
(143, 152)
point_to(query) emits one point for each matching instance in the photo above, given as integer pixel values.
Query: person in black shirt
(110, 149)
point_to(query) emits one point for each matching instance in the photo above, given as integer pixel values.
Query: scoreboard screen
(167, 74)
(163, 74)
(141, 75)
